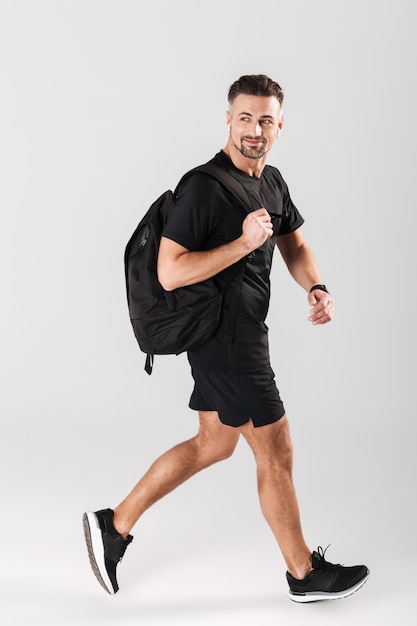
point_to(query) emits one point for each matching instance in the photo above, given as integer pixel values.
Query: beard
(252, 152)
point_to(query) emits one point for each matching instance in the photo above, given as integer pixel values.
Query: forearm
(188, 268)
(303, 267)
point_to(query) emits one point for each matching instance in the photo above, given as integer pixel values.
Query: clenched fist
(256, 228)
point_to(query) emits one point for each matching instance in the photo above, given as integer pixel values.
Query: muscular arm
(303, 268)
(299, 259)
(178, 266)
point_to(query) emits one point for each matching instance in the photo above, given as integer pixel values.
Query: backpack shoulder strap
(239, 190)
(226, 179)
(231, 183)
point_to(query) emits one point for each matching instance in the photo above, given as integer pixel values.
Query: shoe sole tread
(95, 548)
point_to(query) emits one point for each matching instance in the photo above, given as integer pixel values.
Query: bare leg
(272, 449)
(213, 443)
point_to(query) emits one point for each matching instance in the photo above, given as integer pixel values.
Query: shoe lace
(323, 563)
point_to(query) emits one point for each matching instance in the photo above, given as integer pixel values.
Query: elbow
(166, 278)
(169, 267)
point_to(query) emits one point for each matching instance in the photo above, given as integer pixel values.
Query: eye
(266, 122)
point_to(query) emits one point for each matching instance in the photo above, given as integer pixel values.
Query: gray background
(104, 105)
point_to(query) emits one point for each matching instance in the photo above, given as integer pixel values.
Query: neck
(252, 167)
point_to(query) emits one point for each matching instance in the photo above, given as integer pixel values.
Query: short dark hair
(255, 85)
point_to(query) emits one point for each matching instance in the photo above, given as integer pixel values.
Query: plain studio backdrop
(104, 105)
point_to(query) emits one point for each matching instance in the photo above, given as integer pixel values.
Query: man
(235, 392)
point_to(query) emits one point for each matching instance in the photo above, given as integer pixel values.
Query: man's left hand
(322, 307)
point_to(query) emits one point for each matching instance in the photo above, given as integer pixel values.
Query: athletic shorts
(238, 398)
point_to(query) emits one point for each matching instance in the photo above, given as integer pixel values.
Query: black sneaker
(327, 581)
(105, 546)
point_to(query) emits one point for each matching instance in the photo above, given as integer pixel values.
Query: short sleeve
(192, 217)
(292, 217)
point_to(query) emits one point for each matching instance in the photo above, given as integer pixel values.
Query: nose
(257, 129)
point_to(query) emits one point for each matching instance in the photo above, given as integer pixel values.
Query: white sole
(95, 547)
(322, 595)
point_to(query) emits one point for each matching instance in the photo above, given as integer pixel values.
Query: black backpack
(171, 322)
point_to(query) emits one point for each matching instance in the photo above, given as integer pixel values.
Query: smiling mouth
(253, 142)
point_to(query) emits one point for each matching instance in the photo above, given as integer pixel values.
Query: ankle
(120, 525)
(301, 569)
(300, 574)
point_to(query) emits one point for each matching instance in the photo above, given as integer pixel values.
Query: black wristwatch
(321, 287)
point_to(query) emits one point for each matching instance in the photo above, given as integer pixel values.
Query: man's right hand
(256, 229)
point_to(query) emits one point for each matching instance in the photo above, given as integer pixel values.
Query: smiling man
(256, 122)
(207, 236)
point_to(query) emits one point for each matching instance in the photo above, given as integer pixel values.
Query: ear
(228, 117)
(280, 124)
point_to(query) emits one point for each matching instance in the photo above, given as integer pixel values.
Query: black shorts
(238, 398)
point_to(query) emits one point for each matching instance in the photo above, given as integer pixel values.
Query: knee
(213, 449)
(226, 451)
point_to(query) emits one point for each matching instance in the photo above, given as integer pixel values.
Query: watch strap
(321, 287)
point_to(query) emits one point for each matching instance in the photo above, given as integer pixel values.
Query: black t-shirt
(206, 216)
